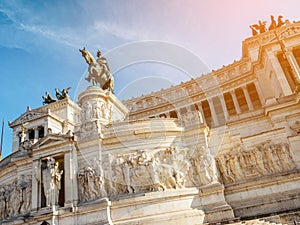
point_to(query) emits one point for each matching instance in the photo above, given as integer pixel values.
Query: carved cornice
(28, 116)
(53, 140)
(44, 111)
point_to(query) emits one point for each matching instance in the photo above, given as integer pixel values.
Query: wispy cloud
(120, 30)
(57, 34)
(60, 37)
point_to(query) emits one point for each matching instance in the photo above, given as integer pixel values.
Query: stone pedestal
(98, 109)
(99, 105)
(214, 204)
(181, 206)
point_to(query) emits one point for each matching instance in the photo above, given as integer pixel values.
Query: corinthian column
(235, 102)
(226, 115)
(248, 99)
(213, 111)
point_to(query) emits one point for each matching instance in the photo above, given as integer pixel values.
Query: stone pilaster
(215, 207)
(260, 94)
(36, 186)
(279, 74)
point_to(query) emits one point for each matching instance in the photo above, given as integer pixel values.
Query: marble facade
(221, 148)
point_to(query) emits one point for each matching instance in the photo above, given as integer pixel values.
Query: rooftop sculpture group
(59, 95)
(262, 28)
(99, 70)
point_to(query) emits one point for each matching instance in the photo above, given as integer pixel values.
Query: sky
(149, 44)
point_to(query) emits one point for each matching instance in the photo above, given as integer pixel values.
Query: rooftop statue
(280, 21)
(99, 71)
(261, 26)
(48, 98)
(62, 94)
(59, 95)
(254, 28)
(273, 23)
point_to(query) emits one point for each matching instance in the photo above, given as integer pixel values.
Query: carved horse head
(87, 56)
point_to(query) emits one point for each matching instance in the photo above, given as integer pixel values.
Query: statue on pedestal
(62, 94)
(52, 181)
(48, 98)
(99, 71)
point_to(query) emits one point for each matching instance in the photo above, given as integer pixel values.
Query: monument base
(214, 204)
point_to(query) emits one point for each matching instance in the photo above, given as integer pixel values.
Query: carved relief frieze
(91, 182)
(223, 77)
(147, 171)
(191, 118)
(15, 198)
(264, 159)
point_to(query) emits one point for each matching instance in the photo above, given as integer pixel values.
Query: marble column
(235, 102)
(213, 111)
(248, 99)
(36, 135)
(259, 92)
(199, 105)
(225, 111)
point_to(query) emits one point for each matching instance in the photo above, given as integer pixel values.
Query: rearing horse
(98, 72)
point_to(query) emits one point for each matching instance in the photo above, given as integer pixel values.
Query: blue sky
(39, 42)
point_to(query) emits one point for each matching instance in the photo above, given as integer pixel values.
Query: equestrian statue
(99, 71)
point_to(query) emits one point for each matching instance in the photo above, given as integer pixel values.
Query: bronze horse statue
(99, 72)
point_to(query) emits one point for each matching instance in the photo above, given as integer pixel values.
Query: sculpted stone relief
(95, 110)
(145, 171)
(91, 182)
(264, 159)
(191, 118)
(15, 198)
(91, 114)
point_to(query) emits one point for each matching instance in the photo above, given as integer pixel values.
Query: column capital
(210, 100)
(244, 87)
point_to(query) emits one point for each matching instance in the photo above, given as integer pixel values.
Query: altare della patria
(221, 148)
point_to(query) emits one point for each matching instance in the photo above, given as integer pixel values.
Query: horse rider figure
(99, 70)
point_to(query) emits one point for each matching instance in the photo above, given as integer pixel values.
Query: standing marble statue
(51, 176)
(205, 166)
